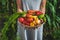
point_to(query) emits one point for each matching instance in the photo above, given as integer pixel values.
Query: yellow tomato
(32, 24)
(37, 21)
(34, 17)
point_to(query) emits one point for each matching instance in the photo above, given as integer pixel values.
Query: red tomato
(38, 13)
(29, 19)
(28, 15)
(26, 23)
(31, 11)
(21, 19)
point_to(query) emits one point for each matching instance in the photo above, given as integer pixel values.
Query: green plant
(53, 19)
(11, 20)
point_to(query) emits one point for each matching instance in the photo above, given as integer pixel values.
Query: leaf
(58, 19)
(11, 19)
(57, 24)
(4, 2)
(54, 24)
(13, 25)
(52, 9)
(48, 20)
(55, 3)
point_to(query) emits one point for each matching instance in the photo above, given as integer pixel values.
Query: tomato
(44, 19)
(41, 16)
(26, 23)
(28, 15)
(21, 19)
(24, 15)
(41, 21)
(38, 22)
(34, 22)
(31, 11)
(32, 25)
(38, 13)
(29, 19)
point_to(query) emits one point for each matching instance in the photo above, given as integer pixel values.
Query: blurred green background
(51, 28)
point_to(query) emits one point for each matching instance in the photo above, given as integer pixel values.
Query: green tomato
(41, 16)
(44, 19)
(24, 15)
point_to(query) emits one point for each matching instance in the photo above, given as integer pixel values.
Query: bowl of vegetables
(32, 19)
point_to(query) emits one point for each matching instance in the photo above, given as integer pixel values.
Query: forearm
(43, 6)
(19, 7)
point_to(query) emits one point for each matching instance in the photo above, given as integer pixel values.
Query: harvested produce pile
(32, 18)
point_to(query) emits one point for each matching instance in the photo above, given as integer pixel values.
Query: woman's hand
(43, 6)
(19, 5)
(19, 10)
(43, 10)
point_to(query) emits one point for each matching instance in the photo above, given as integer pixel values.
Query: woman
(24, 5)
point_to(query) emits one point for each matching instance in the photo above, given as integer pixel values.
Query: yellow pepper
(34, 17)
(37, 21)
(32, 24)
